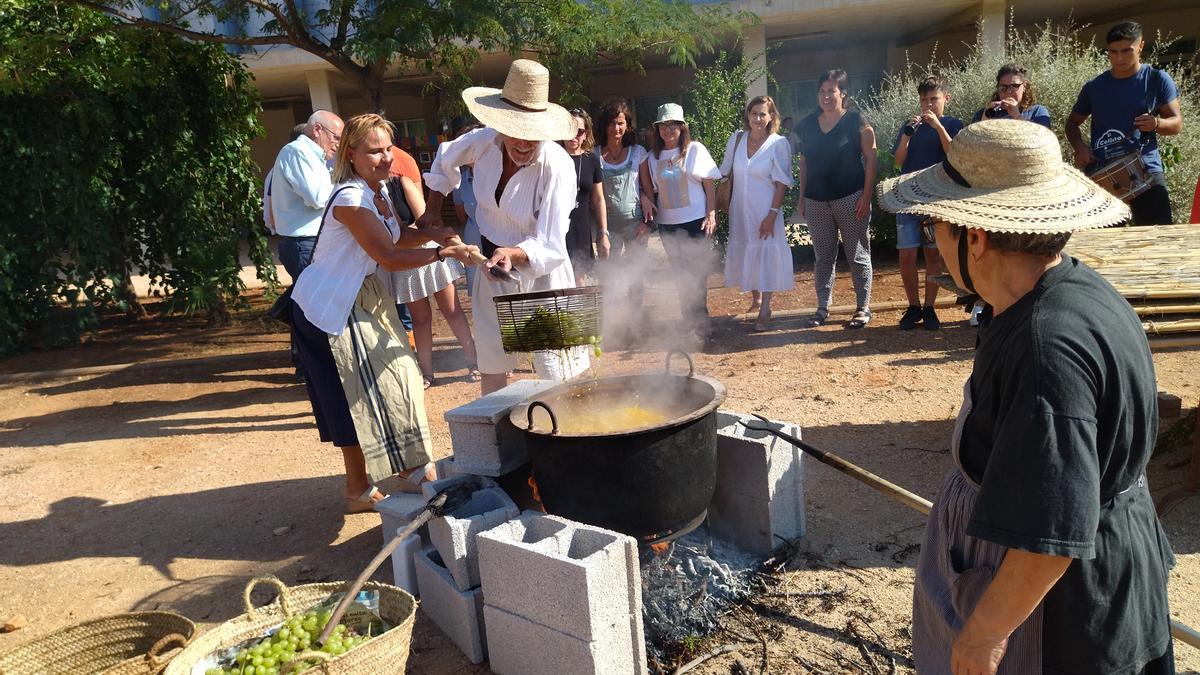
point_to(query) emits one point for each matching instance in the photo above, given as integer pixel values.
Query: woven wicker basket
(386, 653)
(140, 643)
(549, 320)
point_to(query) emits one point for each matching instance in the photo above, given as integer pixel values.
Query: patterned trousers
(825, 221)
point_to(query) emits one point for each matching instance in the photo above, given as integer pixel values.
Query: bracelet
(1155, 123)
(603, 233)
(773, 209)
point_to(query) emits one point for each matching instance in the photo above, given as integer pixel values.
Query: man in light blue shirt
(300, 187)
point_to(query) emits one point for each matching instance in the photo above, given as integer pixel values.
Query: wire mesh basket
(556, 319)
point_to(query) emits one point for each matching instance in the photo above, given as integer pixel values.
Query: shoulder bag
(725, 187)
(281, 310)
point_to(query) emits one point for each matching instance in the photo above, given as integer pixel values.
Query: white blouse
(327, 288)
(680, 183)
(534, 210)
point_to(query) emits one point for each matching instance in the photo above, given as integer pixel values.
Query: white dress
(753, 263)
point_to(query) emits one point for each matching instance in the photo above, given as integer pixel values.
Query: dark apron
(953, 572)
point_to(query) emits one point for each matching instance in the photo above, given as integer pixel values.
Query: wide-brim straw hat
(1005, 176)
(522, 109)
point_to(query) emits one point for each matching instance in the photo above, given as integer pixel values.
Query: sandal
(862, 316)
(817, 319)
(473, 373)
(429, 380)
(366, 502)
(762, 323)
(411, 483)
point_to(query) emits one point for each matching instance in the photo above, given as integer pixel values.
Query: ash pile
(688, 586)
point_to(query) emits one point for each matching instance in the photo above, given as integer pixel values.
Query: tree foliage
(444, 38)
(131, 156)
(1060, 61)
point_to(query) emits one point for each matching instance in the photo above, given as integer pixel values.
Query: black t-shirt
(833, 162)
(579, 236)
(1063, 419)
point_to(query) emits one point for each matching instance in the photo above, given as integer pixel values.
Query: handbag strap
(321, 227)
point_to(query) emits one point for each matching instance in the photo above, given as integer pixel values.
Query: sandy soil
(160, 487)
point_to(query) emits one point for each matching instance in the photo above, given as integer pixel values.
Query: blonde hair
(356, 131)
(773, 125)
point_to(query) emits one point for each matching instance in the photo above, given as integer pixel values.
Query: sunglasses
(1012, 87)
(581, 133)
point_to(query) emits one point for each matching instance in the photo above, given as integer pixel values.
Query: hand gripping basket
(385, 653)
(548, 320)
(139, 643)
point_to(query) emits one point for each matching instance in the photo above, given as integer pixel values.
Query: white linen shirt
(300, 187)
(534, 210)
(327, 288)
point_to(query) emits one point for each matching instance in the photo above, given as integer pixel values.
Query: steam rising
(644, 308)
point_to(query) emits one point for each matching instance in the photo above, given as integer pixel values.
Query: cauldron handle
(673, 352)
(544, 406)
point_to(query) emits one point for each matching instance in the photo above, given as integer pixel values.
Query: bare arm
(801, 175)
(1022, 581)
(373, 237)
(1168, 122)
(413, 195)
(1083, 153)
(710, 207)
(766, 229)
(648, 206)
(598, 208)
(871, 168)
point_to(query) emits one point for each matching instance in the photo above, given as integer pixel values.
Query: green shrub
(132, 155)
(1060, 60)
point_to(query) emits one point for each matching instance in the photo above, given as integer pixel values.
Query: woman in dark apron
(1043, 552)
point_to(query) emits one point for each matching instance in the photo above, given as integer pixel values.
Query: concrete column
(993, 16)
(755, 51)
(320, 90)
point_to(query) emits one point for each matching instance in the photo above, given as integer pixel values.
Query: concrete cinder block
(404, 573)
(518, 646)
(454, 535)
(480, 447)
(397, 511)
(572, 578)
(760, 486)
(458, 613)
(445, 467)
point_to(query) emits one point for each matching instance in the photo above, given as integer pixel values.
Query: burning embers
(688, 584)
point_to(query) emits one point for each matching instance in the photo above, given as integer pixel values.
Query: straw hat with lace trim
(1005, 176)
(522, 109)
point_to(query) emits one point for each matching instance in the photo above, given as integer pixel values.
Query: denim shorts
(908, 231)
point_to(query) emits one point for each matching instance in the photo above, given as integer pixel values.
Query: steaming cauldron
(647, 482)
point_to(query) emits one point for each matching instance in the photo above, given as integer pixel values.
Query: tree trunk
(133, 308)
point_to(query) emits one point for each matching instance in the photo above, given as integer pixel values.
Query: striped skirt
(365, 385)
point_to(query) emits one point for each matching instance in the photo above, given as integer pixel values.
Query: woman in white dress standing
(758, 258)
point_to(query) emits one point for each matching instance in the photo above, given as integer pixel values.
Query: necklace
(615, 158)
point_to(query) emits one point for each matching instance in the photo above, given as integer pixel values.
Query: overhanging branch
(199, 36)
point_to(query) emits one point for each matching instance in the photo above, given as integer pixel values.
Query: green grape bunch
(297, 635)
(550, 329)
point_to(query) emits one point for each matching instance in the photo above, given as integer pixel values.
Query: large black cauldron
(646, 482)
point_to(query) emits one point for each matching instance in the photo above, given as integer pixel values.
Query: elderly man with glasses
(301, 186)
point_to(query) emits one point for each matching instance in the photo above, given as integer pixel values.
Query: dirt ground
(160, 487)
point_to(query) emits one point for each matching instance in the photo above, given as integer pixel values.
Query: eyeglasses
(337, 138)
(671, 125)
(929, 230)
(1012, 87)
